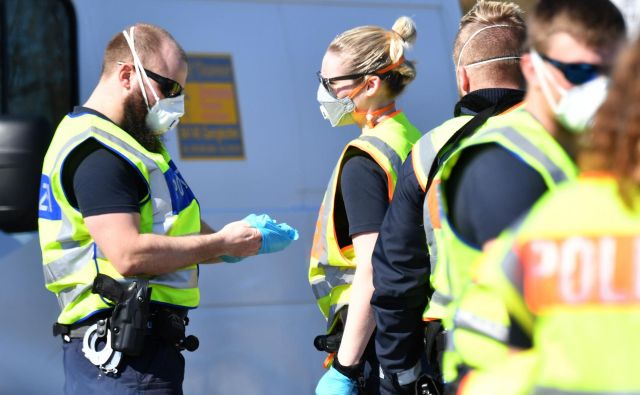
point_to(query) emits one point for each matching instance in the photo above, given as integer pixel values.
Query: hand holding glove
(275, 236)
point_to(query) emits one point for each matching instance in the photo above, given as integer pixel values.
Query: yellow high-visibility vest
(568, 272)
(71, 257)
(522, 135)
(332, 267)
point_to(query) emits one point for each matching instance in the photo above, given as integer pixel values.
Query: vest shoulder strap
(505, 103)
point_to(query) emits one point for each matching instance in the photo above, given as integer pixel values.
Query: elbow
(127, 265)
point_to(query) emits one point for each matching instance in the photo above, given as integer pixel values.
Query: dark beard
(135, 112)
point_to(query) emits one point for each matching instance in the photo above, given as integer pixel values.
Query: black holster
(128, 322)
(331, 342)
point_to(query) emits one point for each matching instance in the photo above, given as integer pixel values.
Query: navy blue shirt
(96, 180)
(400, 260)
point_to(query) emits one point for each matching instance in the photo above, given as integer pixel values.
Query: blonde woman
(363, 72)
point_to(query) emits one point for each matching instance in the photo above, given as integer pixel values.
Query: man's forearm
(156, 254)
(134, 253)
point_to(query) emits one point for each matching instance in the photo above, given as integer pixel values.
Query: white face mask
(338, 112)
(166, 112)
(577, 106)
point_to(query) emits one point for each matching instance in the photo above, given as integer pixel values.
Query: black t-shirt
(361, 198)
(97, 180)
(487, 190)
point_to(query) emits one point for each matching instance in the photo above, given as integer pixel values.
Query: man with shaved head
(486, 57)
(120, 229)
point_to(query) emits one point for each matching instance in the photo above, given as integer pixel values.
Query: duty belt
(78, 330)
(124, 329)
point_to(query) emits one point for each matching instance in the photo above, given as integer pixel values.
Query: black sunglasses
(577, 73)
(168, 87)
(326, 82)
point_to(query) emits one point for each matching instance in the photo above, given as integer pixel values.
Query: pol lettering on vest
(581, 270)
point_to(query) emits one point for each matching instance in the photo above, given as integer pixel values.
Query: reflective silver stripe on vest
(511, 262)
(466, 320)
(179, 280)
(182, 279)
(320, 287)
(71, 262)
(440, 298)
(68, 295)
(512, 270)
(334, 277)
(539, 390)
(557, 174)
(394, 158)
(426, 158)
(427, 155)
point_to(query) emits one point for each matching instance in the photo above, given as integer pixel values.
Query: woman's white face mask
(577, 106)
(339, 112)
(166, 112)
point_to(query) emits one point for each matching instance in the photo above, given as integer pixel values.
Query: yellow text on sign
(210, 103)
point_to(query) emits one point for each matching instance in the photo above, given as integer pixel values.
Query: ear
(529, 73)
(125, 75)
(374, 83)
(463, 80)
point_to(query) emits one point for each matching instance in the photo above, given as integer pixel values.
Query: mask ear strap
(139, 69)
(472, 37)
(357, 90)
(544, 76)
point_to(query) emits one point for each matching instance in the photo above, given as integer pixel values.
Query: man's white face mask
(166, 112)
(577, 106)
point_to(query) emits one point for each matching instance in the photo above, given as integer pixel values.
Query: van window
(39, 67)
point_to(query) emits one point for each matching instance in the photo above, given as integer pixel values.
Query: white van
(258, 318)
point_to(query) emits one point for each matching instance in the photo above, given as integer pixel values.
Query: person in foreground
(567, 271)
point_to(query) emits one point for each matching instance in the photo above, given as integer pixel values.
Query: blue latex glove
(275, 237)
(336, 383)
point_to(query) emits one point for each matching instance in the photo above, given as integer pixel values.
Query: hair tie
(399, 35)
